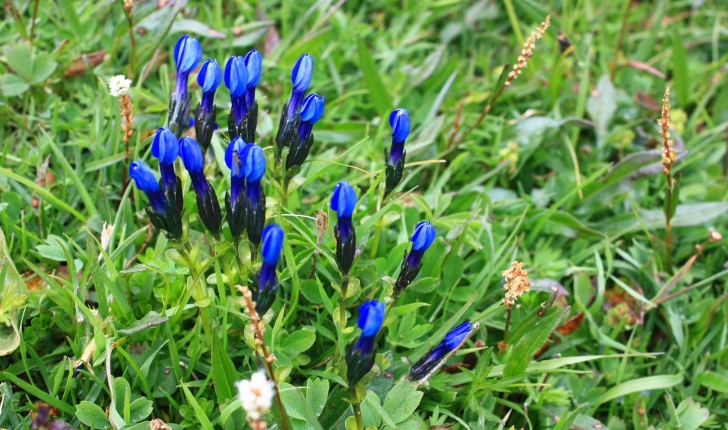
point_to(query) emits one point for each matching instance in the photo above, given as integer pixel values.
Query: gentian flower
(343, 201)
(301, 78)
(187, 55)
(209, 79)
(254, 168)
(311, 111)
(436, 357)
(207, 204)
(267, 279)
(400, 122)
(166, 205)
(235, 202)
(148, 184)
(360, 357)
(236, 79)
(165, 147)
(394, 165)
(254, 64)
(422, 239)
(191, 154)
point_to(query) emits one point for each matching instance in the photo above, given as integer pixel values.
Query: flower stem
(668, 222)
(198, 291)
(508, 325)
(356, 406)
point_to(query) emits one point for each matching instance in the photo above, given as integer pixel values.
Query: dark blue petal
(371, 318)
(343, 201)
(312, 109)
(254, 65)
(272, 243)
(456, 336)
(187, 54)
(210, 76)
(191, 154)
(165, 146)
(302, 73)
(254, 163)
(143, 177)
(236, 76)
(423, 236)
(400, 122)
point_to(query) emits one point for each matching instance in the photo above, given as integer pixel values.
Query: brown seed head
(527, 51)
(516, 284)
(668, 152)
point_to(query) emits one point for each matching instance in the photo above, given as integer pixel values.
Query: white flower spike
(256, 395)
(119, 85)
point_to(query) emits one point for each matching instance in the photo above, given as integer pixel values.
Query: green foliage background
(564, 174)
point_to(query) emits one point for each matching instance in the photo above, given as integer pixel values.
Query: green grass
(564, 174)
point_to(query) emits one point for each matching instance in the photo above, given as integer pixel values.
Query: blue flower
(254, 169)
(191, 154)
(371, 318)
(187, 55)
(146, 181)
(254, 163)
(422, 239)
(343, 201)
(236, 79)
(254, 64)
(311, 111)
(450, 343)
(237, 176)
(301, 79)
(209, 79)
(272, 243)
(400, 122)
(165, 147)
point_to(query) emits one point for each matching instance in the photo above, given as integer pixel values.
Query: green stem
(668, 222)
(198, 292)
(508, 325)
(342, 313)
(356, 406)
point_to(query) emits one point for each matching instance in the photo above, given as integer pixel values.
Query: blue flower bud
(238, 146)
(312, 109)
(191, 154)
(210, 76)
(302, 73)
(272, 243)
(236, 76)
(253, 163)
(187, 54)
(254, 65)
(456, 336)
(371, 318)
(165, 146)
(146, 181)
(430, 362)
(143, 177)
(301, 78)
(343, 201)
(423, 236)
(400, 122)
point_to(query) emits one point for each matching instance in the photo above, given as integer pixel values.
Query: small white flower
(119, 85)
(256, 395)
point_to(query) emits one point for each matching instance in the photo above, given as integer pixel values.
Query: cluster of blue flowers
(245, 203)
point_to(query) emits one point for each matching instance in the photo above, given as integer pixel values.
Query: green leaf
(92, 415)
(13, 295)
(223, 371)
(601, 107)
(659, 382)
(140, 409)
(19, 56)
(691, 415)
(639, 414)
(402, 401)
(149, 320)
(373, 81)
(201, 415)
(714, 381)
(680, 69)
(298, 342)
(317, 393)
(13, 85)
(674, 200)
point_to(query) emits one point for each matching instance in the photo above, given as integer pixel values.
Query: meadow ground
(112, 325)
